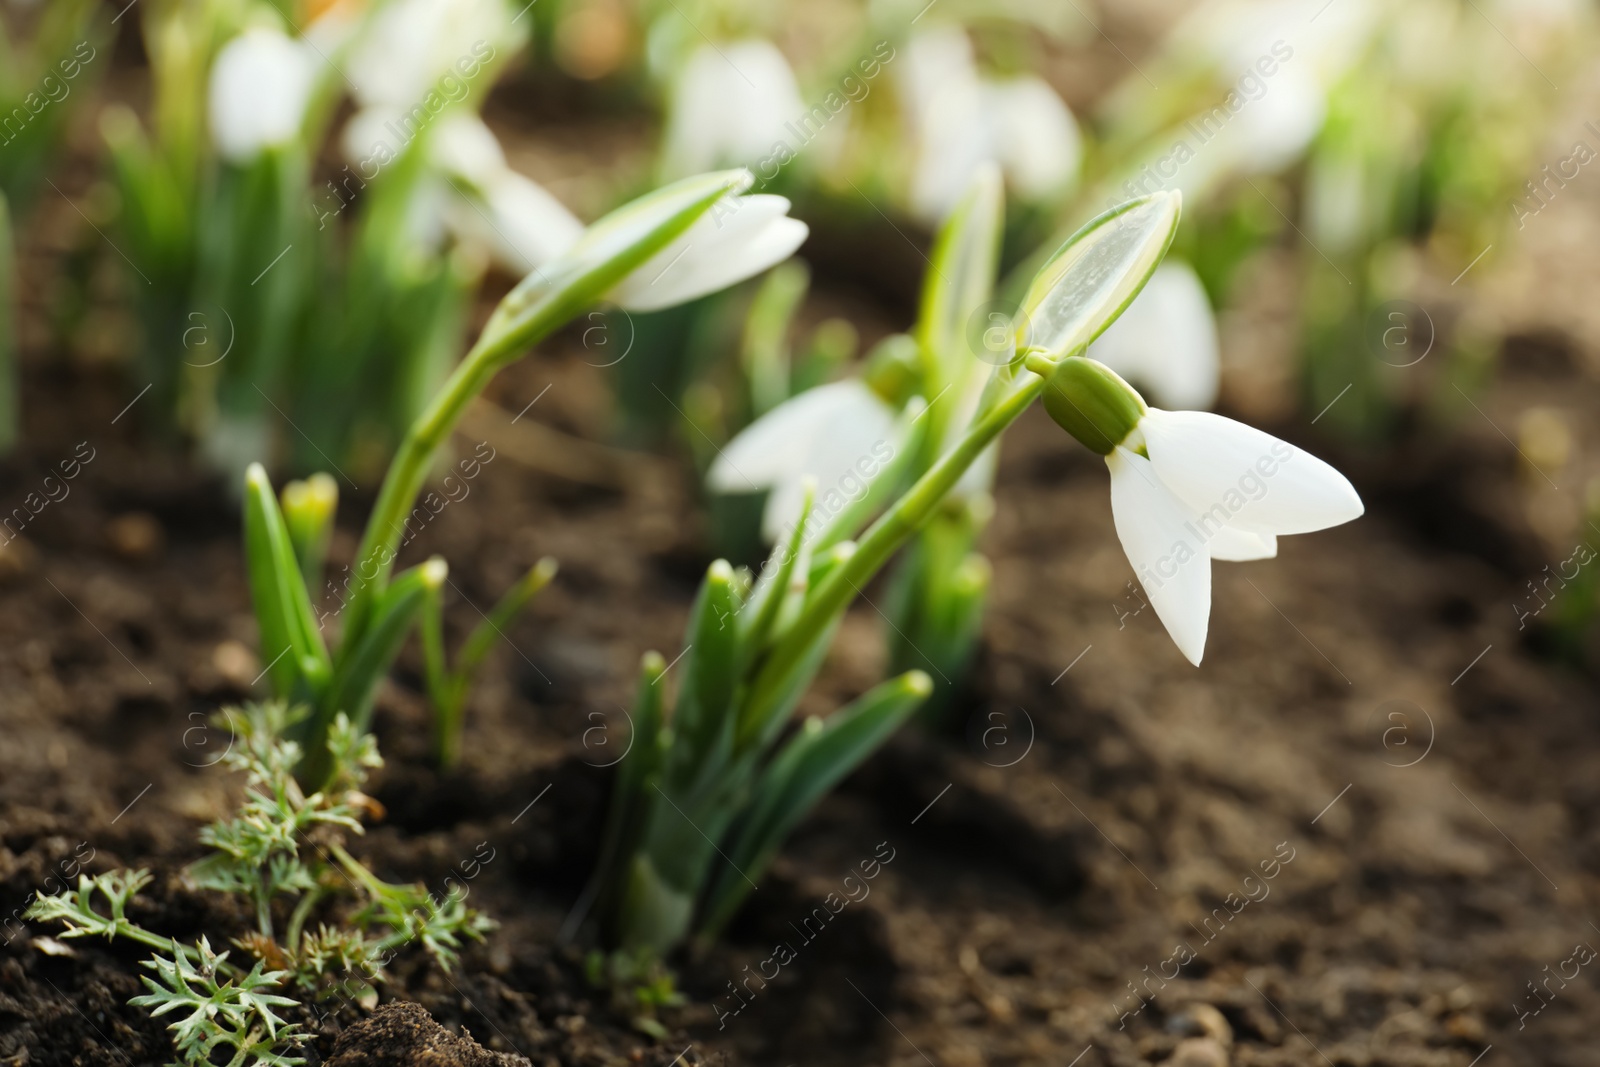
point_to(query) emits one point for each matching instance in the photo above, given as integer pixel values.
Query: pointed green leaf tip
(1096, 273)
(1088, 400)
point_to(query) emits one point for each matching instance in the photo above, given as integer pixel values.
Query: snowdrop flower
(260, 85)
(960, 121)
(840, 434)
(740, 237)
(524, 225)
(1166, 342)
(1189, 487)
(730, 106)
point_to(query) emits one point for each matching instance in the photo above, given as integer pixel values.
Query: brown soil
(1077, 873)
(1029, 890)
(405, 1035)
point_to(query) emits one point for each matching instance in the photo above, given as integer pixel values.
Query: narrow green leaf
(291, 642)
(703, 723)
(960, 277)
(815, 760)
(765, 349)
(761, 608)
(505, 611)
(362, 666)
(1094, 276)
(629, 804)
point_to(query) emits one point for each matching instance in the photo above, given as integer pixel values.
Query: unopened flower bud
(1088, 400)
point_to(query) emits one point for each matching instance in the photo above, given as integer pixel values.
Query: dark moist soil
(1078, 868)
(1075, 872)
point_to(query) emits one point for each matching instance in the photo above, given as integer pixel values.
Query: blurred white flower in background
(729, 106)
(1166, 342)
(523, 225)
(837, 433)
(410, 47)
(260, 85)
(960, 121)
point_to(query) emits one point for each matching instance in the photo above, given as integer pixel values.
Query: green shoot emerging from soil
(714, 780)
(283, 853)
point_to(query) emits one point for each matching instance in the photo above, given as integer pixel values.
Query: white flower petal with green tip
(1240, 546)
(1235, 475)
(260, 85)
(1156, 532)
(1165, 344)
(834, 433)
(740, 236)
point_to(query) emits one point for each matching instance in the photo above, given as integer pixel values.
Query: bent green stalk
(536, 308)
(872, 551)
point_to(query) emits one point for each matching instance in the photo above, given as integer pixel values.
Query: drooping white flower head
(260, 85)
(729, 106)
(960, 121)
(740, 237)
(840, 434)
(1166, 342)
(1189, 487)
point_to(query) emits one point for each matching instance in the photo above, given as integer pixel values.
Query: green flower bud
(1088, 400)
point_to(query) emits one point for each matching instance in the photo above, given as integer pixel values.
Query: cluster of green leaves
(639, 983)
(46, 70)
(336, 671)
(282, 852)
(347, 337)
(713, 781)
(711, 786)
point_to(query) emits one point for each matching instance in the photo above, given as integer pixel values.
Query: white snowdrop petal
(464, 145)
(1239, 546)
(1156, 533)
(529, 226)
(773, 447)
(1035, 135)
(754, 236)
(1230, 474)
(1165, 344)
(782, 509)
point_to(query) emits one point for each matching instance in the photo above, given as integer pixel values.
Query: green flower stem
(880, 542)
(409, 469)
(541, 304)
